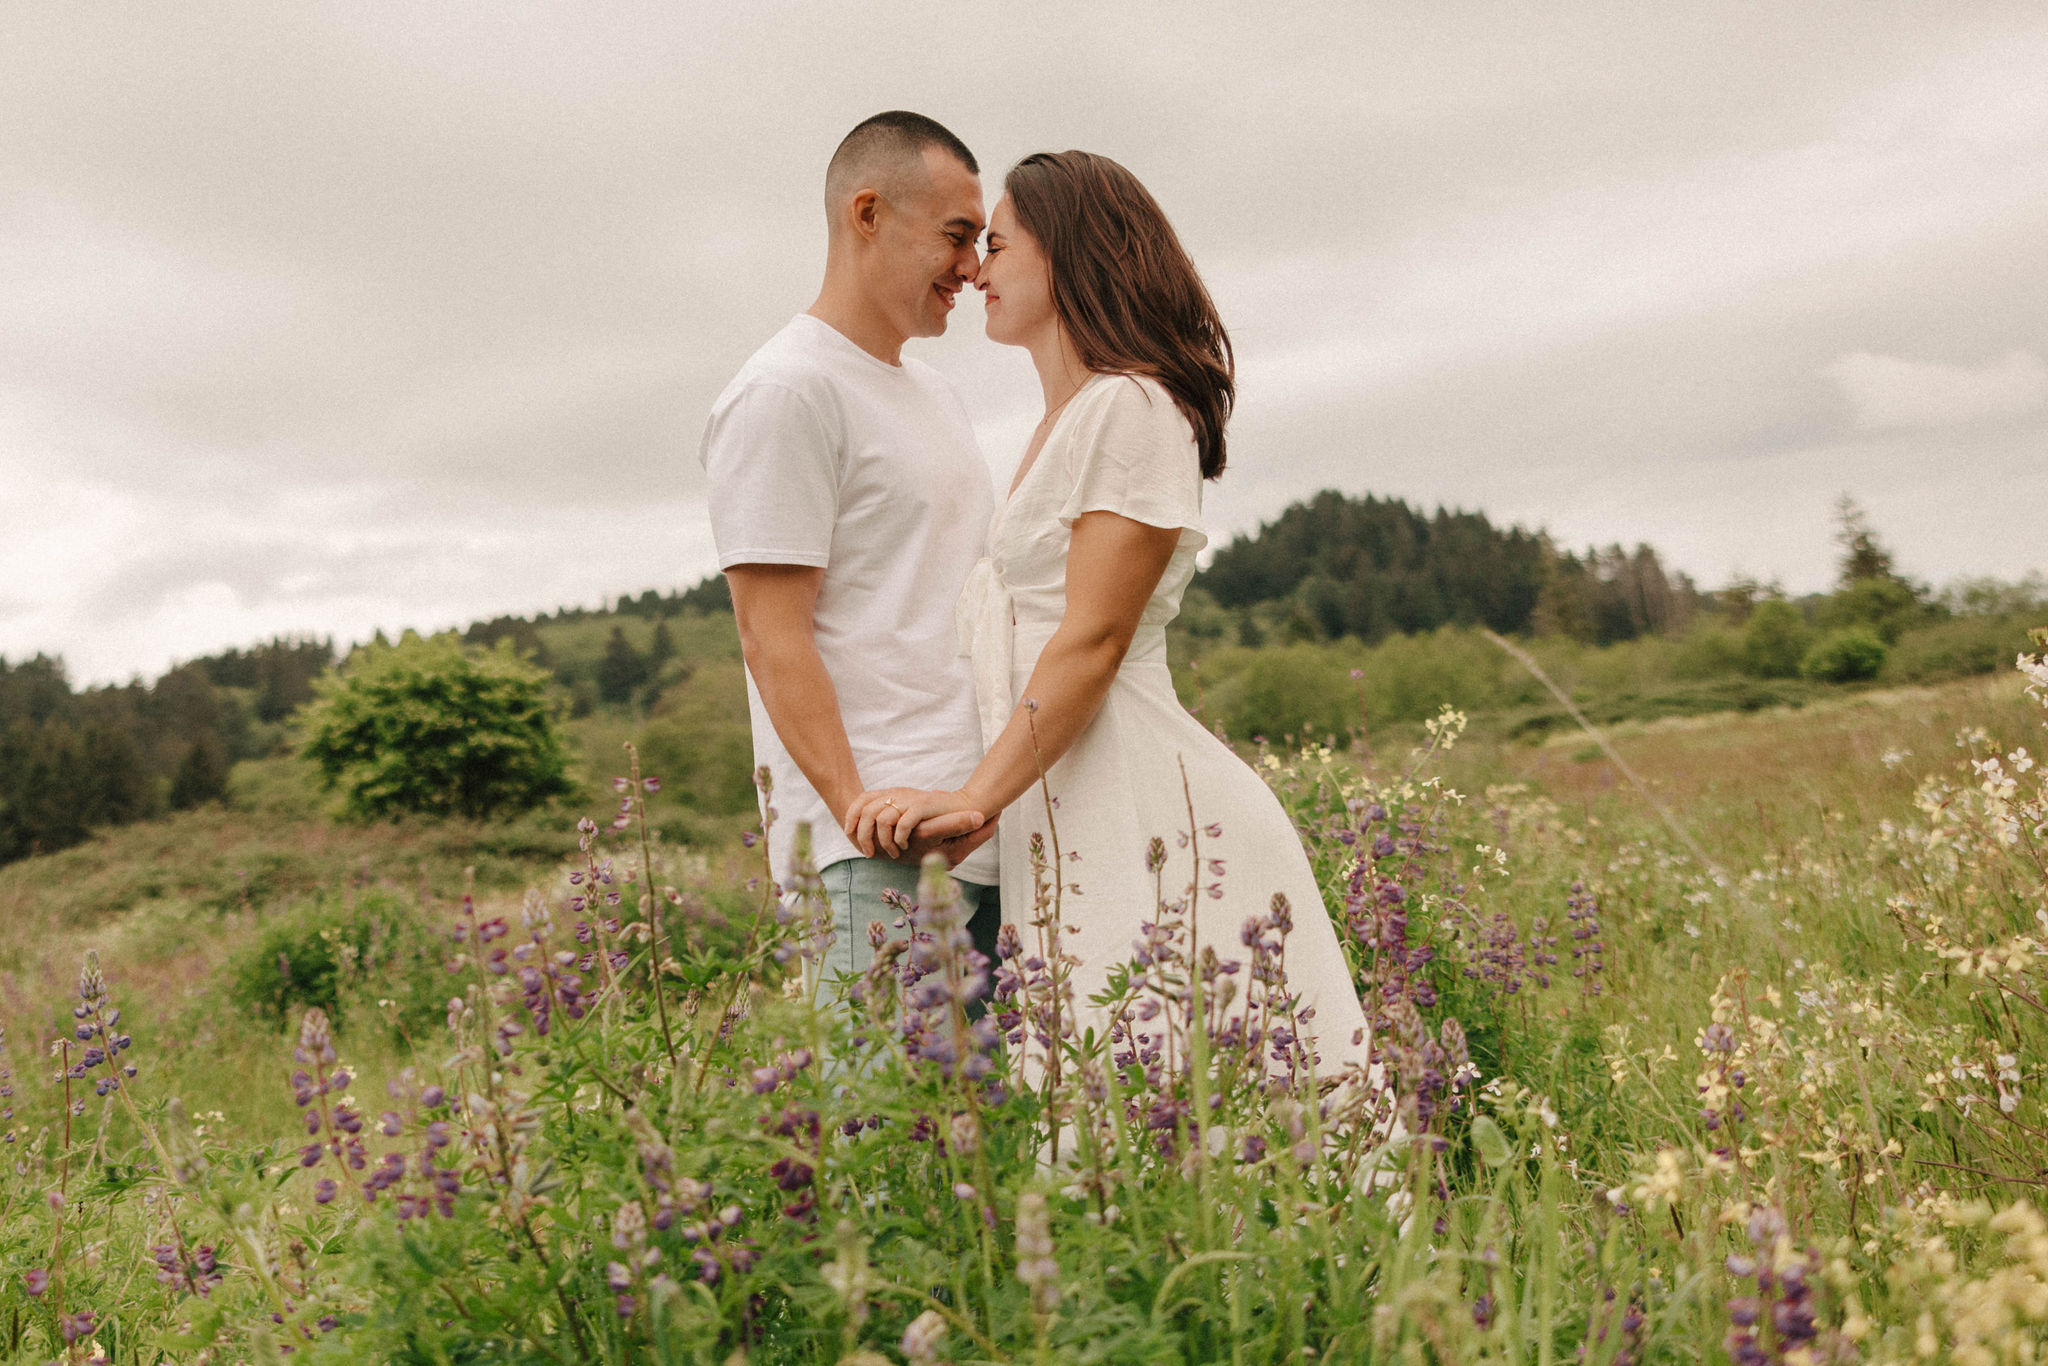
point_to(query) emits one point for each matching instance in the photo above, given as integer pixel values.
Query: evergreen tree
(1863, 556)
(712, 594)
(1609, 595)
(58, 781)
(622, 669)
(33, 691)
(523, 634)
(202, 774)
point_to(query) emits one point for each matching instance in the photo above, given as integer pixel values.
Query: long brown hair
(1124, 287)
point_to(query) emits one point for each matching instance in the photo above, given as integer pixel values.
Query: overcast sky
(324, 318)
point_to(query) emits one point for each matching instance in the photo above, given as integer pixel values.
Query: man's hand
(955, 849)
(890, 819)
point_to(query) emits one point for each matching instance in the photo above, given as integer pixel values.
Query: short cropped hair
(884, 148)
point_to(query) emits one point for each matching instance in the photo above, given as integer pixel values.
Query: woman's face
(1016, 282)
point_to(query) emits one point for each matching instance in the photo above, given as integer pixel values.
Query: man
(849, 502)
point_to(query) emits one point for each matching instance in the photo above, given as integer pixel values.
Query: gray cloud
(1886, 391)
(330, 319)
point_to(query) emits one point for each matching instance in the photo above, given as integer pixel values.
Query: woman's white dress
(1122, 446)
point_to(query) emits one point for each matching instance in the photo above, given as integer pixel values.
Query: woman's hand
(892, 819)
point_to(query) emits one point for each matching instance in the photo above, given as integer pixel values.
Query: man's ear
(864, 213)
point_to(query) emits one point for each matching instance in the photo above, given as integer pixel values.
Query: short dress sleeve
(1134, 454)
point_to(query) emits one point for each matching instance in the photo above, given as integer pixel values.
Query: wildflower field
(1759, 1082)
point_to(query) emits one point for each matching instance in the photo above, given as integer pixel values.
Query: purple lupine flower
(1783, 1297)
(97, 1017)
(1588, 949)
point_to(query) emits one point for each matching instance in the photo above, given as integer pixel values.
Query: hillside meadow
(1630, 1107)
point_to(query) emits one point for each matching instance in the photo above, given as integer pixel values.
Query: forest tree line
(1330, 576)
(74, 760)
(1373, 567)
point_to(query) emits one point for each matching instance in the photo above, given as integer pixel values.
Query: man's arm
(774, 604)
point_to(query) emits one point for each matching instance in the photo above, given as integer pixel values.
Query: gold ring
(891, 805)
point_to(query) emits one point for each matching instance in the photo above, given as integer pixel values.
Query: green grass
(1578, 1187)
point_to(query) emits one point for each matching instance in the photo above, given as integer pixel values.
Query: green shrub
(1312, 690)
(1408, 678)
(1957, 648)
(1707, 652)
(436, 728)
(1775, 641)
(321, 954)
(1887, 606)
(1846, 656)
(1301, 690)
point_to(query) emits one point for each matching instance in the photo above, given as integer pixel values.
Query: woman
(1088, 559)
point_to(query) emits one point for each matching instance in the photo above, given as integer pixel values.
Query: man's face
(924, 246)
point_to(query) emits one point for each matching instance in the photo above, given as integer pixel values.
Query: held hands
(907, 822)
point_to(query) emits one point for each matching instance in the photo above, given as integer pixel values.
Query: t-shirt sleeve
(773, 479)
(1135, 455)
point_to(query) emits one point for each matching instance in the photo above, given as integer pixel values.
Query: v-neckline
(1038, 457)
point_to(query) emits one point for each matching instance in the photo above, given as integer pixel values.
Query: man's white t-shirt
(820, 454)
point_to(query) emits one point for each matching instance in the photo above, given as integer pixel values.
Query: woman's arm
(1113, 564)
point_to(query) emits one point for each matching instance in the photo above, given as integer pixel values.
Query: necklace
(1054, 411)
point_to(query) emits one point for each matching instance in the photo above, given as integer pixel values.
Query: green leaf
(1491, 1143)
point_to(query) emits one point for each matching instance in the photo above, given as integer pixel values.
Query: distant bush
(1996, 598)
(1959, 648)
(1846, 656)
(1299, 690)
(434, 728)
(1408, 678)
(319, 954)
(1887, 606)
(1701, 698)
(1313, 690)
(1707, 652)
(1775, 641)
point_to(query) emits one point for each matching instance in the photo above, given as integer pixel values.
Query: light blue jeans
(854, 886)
